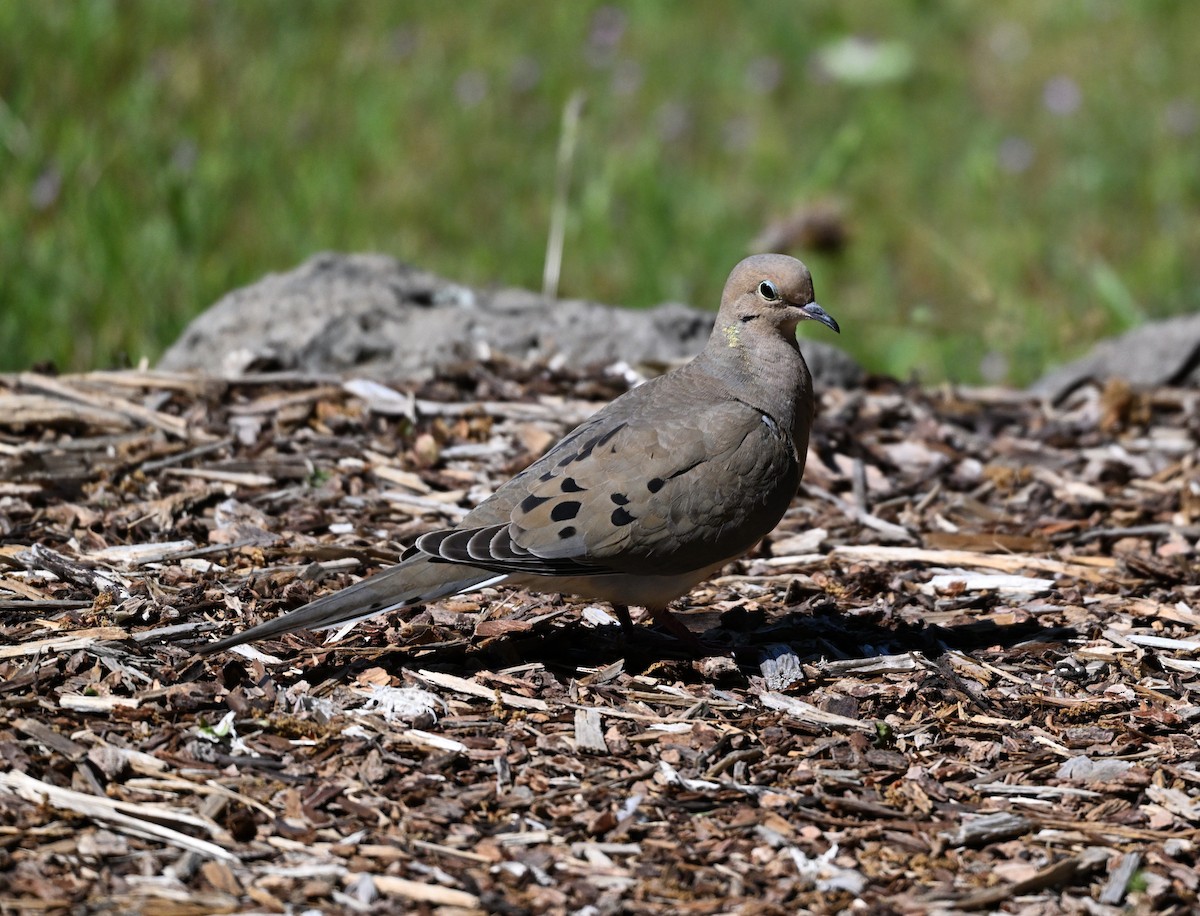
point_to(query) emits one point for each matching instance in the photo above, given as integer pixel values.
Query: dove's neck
(764, 370)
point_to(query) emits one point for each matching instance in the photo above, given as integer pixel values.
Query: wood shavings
(963, 672)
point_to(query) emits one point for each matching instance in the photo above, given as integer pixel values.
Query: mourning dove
(647, 497)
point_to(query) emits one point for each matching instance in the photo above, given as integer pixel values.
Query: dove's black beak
(816, 313)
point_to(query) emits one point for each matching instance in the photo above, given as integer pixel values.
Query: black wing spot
(567, 460)
(567, 531)
(569, 485)
(620, 499)
(565, 511)
(586, 451)
(549, 475)
(532, 501)
(621, 517)
(683, 471)
(655, 484)
(603, 440)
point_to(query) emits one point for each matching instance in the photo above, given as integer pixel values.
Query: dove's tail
(412, 581)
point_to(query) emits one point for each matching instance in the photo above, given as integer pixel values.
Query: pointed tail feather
(413, 581)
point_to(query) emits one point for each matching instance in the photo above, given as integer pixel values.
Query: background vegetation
(1016, 178)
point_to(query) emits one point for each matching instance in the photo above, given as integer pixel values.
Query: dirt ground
(962, 675)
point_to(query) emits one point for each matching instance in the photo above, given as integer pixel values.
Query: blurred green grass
(1017, 179)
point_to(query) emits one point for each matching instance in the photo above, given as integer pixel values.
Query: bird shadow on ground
(814, 631)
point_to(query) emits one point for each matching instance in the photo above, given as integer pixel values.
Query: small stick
(562, 184)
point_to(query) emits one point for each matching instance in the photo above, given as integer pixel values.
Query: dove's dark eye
(767, 290)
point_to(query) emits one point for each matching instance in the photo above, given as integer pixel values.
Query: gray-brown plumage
(646, 498)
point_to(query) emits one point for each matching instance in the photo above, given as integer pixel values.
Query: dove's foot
(669, 622)
(622, 612)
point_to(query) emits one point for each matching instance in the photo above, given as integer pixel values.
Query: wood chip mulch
(964, 674)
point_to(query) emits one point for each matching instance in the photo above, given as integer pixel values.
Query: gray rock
(372, 315)
(1157, 353)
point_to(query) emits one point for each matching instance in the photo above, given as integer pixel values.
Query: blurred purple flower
(627, 77)
(1062, 96)
(1181, 117)
(1009, 42)
(46, 188)
(737, 134)
(1014, 155)
(184, 156)
(404, 42)
(764, 74)
(525, 74)
(608, 27)
(471, 88)
(674, 121)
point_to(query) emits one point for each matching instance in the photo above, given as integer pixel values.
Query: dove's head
(771, 292)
